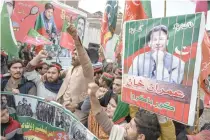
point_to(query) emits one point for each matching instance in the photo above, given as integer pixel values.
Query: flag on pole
(34, 38)
(109, 21)
(135, 10)
(66, 40)
(202, 6)
(8, 41)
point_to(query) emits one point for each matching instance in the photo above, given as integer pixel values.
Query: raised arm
(35, 61)
(30, 73)
(100, 115)
(83, 56)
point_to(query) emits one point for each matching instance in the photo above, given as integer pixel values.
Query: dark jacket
(24, 86)
(12, 130)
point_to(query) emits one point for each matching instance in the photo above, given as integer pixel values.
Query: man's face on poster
(4, 99)
(158, 41)
(10, 7)
(49, 13)
(80, 27)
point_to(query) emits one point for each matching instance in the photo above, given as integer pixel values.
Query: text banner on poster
(161, 64)
(44, 120)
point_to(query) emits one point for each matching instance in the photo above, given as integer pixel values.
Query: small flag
(109, 21)
(8, 41)
(66, 40)
(34, 38)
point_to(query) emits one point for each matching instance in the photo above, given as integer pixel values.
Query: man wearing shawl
(50, 87)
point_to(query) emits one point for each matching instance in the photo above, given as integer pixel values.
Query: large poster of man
(44, 120)
(48, 18)
(161, 64)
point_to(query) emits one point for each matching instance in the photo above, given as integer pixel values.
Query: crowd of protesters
(92, 93)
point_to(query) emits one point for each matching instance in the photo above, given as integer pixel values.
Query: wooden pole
(165, 8)
(196, 130)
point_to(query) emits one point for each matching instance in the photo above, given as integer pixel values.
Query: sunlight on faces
(111, 107)
(52, 74)
(4, 116)
(75, 58)
(159, 41)
(117, 86)
(49, 13)
(16, 70)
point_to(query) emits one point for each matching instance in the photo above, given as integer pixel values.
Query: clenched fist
(42, 54)
(92, 89)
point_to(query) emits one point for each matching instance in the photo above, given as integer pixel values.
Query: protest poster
(44, 120)
(161, 64)
(27, 15)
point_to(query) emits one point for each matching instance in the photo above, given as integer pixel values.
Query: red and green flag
(109, 21)
(66, 40)
(34, 38)
(39, 26)
(8, 41)
(135, 10)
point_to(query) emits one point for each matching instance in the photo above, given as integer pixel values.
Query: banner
(162, 59)
(42, 120)
(26, 15)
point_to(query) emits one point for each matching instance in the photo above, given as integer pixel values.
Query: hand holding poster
(161, 65)
(42, 120)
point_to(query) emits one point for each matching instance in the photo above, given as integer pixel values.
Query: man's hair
(40, 65)
(14, 61)
(118, 77)
(147, 124)
(48, 6)
(206, 126)
(80, 17)
(155, 29)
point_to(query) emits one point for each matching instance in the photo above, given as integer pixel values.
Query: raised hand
(72, 30)
(101, 92)
(42, 54)
(92, 89)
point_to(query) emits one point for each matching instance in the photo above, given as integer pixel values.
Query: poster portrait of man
(158, 63)
(81, 27)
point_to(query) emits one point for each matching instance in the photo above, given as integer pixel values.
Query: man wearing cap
(158, 63)
(74, 88)
(50, 87)
(104, 92)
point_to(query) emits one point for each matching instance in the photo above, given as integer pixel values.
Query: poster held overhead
(161, 64)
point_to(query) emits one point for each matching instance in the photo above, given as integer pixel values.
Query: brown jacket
(76, 82)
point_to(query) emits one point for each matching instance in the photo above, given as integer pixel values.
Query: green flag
(8, 41)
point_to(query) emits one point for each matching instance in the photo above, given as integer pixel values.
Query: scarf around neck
(121, 111)
(53, 87)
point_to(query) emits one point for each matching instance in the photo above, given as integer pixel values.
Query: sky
(174, 7)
